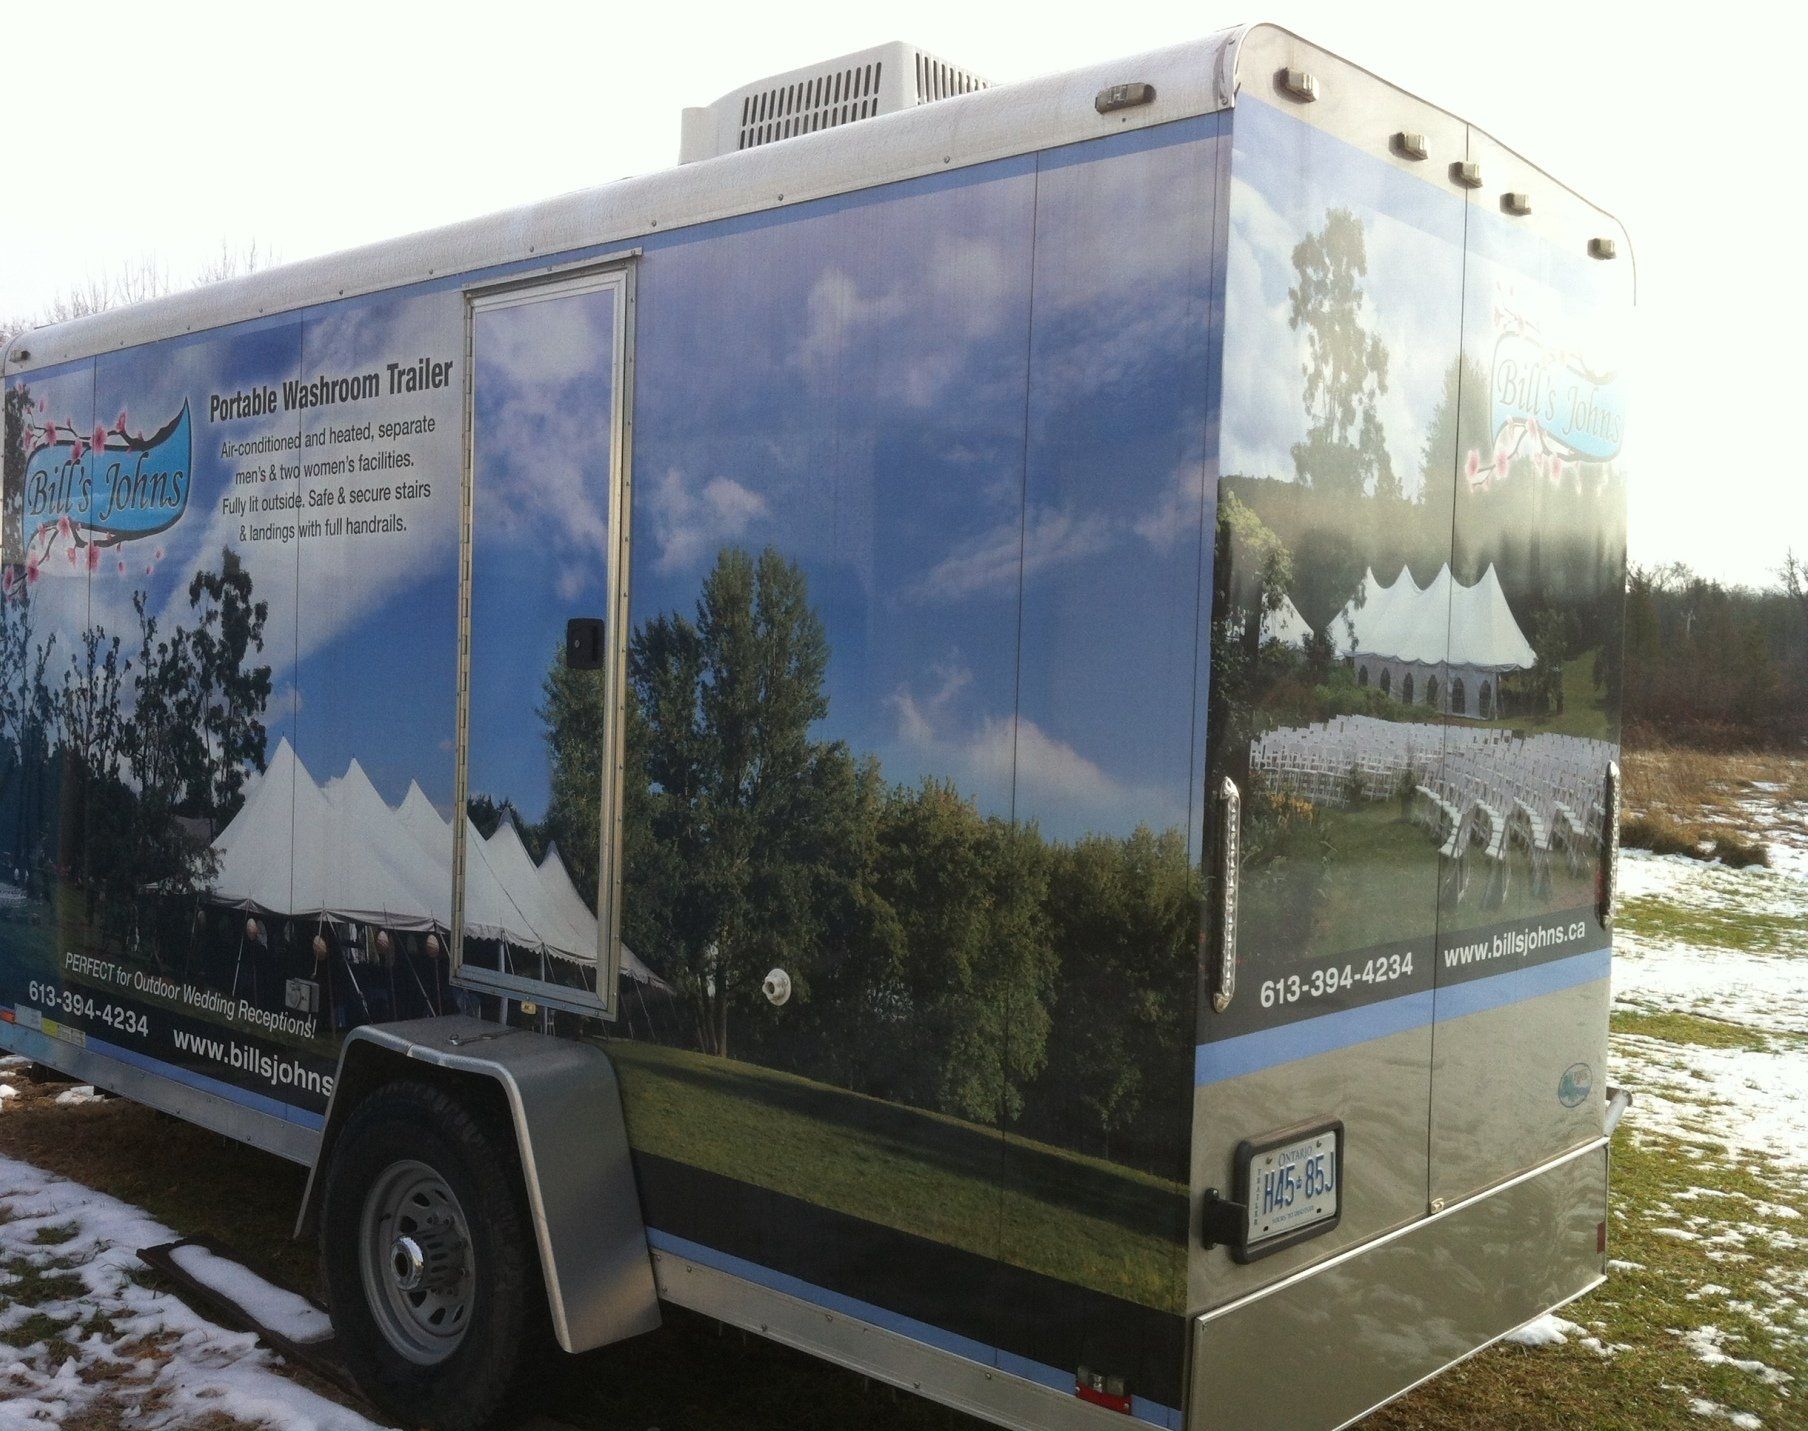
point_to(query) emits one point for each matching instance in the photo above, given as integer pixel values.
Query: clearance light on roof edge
(1123, 96)
(1297, 84)
(1409, 144)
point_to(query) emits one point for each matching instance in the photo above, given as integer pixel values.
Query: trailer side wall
(914, 709)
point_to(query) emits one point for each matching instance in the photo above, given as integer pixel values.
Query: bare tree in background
(1794, 575)
(136, 281)
(232, 262)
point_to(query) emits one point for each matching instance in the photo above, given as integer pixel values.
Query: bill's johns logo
(1549, 403)
(101, 486)
(1577, 1080)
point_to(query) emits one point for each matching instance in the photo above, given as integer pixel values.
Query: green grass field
(1073, 1217)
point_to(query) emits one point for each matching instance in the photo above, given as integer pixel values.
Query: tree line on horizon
(939, 956)
(1713, 664)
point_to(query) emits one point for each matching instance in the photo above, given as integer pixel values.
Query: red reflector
(6, 1016)
(1102, 1398)
(1600, 1237)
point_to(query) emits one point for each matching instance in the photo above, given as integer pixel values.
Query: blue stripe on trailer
(244, 1097)
(1268, 1048)
(966, 1348)
(232, 1093)
(1252, 1052)
(1475, 996)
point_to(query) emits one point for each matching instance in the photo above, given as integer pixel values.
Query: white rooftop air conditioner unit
(882, 80)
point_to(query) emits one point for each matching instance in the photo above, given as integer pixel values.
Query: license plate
(1292, 1187)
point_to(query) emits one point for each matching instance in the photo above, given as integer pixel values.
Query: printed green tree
(12, 464)
(1253, 571)
(232, 689)
(963, 1018)
(1125, 915)
(915, 929)
(741, 798)
(1461, 423)
(1345, 367)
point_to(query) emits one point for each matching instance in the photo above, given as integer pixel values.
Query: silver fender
(565, 1107)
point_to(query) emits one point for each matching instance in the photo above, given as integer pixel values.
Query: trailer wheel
(430, 1267)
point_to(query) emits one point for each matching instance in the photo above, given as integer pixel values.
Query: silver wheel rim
(415, 1257)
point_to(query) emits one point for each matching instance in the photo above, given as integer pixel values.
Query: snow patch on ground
(277, 1308)
(1547, 1331)
(81, 1093)
(1744, 1420)
(1707, 1344)
(1740, 1107)
(1754, 1101)
(104, 1340)
(1708, 884)
(1550, 1330)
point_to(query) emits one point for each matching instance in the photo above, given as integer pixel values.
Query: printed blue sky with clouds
(996, 491)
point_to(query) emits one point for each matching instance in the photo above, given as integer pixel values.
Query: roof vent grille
(882, 80)
(937, 79)
(805, 106)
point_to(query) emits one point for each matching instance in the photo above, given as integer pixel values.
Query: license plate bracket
(1288, 1187)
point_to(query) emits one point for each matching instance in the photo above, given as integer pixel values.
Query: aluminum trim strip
(1594, 1145)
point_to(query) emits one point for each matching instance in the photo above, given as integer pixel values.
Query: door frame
(616, 271)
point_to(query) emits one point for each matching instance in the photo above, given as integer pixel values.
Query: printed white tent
(299, 850)
(1483, 633)
(1286, 625)
(534, 910)
(1445, 644)
(565, 897)
(491, 912)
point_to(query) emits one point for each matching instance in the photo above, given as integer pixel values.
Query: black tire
(505, 1327)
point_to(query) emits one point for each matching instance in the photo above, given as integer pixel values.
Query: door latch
(584, 643)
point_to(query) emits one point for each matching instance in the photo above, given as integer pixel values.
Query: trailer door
(548, 374)
(1532, 722)
(1325, 760)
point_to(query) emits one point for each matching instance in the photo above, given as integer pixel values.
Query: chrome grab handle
(1229, 801)
(1609, 876)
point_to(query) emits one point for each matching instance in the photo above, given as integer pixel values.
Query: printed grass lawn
(1077, 1218)
(1584, 710)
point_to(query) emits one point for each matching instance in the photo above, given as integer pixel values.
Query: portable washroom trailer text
(977, 732)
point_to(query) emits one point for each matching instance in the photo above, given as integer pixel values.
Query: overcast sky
(157, 131)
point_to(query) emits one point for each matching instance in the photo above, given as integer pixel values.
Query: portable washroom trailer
(854, 559)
